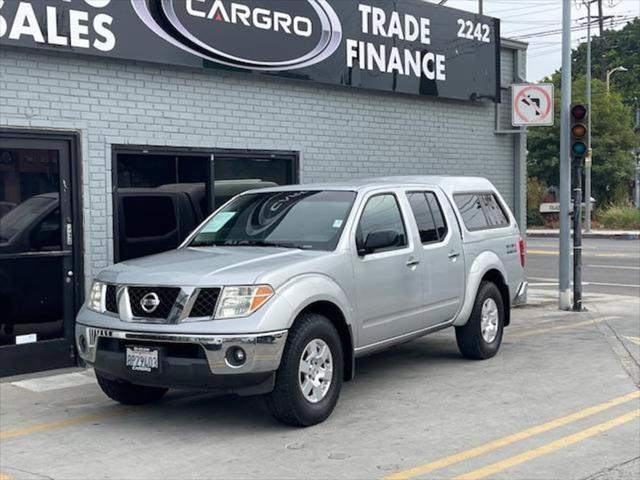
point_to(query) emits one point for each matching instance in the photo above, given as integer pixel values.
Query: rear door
(444, 273)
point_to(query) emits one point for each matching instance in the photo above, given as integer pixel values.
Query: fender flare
(482, 264)
(326, 292)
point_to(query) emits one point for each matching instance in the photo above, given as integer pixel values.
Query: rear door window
(428, 215)
(438, 216)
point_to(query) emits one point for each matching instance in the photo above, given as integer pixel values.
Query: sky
(534, 21)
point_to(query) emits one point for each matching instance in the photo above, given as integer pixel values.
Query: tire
(287, 402)
(471, 342)
(128, 393)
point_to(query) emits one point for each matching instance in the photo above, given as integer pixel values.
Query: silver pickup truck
(281, 289)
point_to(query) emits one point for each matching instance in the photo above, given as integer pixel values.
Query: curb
(608, 234)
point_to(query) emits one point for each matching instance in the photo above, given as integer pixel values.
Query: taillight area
(522, 247)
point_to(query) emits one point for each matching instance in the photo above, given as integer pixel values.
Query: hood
(205, 266)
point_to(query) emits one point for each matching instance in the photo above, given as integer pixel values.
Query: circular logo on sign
(150, 302)
(269, 35)
(98, 3)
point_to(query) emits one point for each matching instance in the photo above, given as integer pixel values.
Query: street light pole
(611, 72)
(587, 161)
(564, 299)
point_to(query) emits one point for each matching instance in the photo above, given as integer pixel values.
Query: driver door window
(382, 213)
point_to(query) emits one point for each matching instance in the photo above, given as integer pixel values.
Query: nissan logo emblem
(150, 302)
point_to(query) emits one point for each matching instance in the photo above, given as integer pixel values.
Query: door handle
(454, 255)
(413, 262)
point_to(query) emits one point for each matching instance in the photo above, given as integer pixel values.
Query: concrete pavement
(561, 400)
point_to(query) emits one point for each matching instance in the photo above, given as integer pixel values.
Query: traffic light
(579, 145)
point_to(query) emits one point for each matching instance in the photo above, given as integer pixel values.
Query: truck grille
(166, 297)
(111, 303)
(205, 303)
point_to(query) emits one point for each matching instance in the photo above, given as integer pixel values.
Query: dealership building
(124, 122)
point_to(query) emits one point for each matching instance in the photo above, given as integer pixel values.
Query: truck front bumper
(188, 360)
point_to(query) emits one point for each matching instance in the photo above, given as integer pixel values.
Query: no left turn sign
(532, 105)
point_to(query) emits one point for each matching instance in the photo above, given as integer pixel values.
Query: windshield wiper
(249, 243)
(207, 244)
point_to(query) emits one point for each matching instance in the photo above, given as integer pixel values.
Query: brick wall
(340, 132)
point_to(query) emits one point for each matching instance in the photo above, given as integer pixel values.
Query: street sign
(532, 105)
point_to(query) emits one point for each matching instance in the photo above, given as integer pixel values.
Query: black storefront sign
(406, 46)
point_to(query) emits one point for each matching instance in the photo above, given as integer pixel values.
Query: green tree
(613, 139)
(619, 48)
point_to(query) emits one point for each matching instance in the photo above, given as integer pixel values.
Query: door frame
(117, 149)
(50, 354)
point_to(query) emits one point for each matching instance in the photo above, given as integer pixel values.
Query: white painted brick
(341, 132)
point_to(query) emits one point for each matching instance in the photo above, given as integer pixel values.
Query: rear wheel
(128, 393)
(481, 337)
(309, 379)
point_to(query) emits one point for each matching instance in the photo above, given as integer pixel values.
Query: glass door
(36, 257)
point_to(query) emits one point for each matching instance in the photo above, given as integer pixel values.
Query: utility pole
(587, 162)
(565, 161)
(603, 49)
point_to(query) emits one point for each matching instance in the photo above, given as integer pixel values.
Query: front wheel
(309, 379)
(481, 337)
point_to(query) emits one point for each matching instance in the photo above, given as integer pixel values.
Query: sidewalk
(621, 234)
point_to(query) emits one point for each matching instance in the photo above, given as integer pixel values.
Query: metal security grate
(205, 303)
(111, 302)
(166, 295)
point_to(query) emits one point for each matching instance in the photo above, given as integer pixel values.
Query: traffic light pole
(577, 236)
(587, 165)
(564, 299)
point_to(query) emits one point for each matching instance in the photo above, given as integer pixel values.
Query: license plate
(143, 359)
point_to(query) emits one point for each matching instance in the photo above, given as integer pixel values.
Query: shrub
(622, 215)
(536, 191)
(534, 218)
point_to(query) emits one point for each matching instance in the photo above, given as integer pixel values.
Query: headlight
(242, 301)
(96, 297)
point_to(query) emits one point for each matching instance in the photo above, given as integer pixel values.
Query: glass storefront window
(172, 189)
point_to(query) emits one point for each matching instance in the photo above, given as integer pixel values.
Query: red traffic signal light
(579, 112)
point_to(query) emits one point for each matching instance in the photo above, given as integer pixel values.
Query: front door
(389, 283)
(37, 271)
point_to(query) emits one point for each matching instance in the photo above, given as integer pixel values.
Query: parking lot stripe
(510, 439)
(539, 331)
(549, 447)
(19, 432)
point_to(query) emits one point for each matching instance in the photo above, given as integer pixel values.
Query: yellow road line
(510, 439)
(539, 331)
(549, 447)
(635, 340)
(19, 432)
(4, 476)
(542, 252)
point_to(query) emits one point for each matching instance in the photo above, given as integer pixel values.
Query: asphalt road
(609, 265)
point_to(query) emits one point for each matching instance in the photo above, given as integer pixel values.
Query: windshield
(311, 220)
(23, 215)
